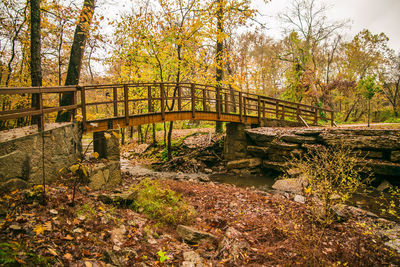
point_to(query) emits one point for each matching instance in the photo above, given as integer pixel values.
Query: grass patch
(164, 205)
(15, 254)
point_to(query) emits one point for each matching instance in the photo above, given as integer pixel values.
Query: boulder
(284, 155)
(13, 184)
(232, 244)
(383, 186)
(309, 132)
(300, 199)
(194, 236)
(395, 156)
(384, 167)
(368, 154)
(14, 165)
(282, 146)
(258, 151)
(292, 185)
(244, 163)
(298, 139)
(278, 166)
(105, 175)
(124, 198)
(358, 141)
(192, 259)
(261, 136)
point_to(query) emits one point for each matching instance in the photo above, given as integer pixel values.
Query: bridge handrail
(226, 101)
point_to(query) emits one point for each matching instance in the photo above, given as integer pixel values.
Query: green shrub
(332, 176)
(162, 204)
(393, 120)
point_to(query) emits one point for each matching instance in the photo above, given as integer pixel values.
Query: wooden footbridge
(112, 106)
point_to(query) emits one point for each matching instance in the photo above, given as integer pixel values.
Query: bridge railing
(93, 103)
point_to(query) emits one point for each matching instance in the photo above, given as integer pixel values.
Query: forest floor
(240, 227)
(248, 227)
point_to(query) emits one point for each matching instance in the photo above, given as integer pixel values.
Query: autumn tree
(363, 56)
(308, 30)
(368, 88)
(391, 82)
(76, 57)
(36, 67)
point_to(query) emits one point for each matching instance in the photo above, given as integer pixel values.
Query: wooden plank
(192, 91)
(259, 108)
(28, 90)
(139, 119)
(244, 107)
(240, 107)
(126, 104)
(149, 103)
(298, 113)
(75, 104)
(83, 107)
(115, 101)
(41, 117)
(277, 109)
(162, 101)
(303, 121)
(15, 111)
(263, 109)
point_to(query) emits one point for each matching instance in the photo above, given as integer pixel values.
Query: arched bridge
(112, 106)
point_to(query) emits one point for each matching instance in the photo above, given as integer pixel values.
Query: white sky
(375, 15)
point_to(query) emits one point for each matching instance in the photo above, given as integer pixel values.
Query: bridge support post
(235, 145)
(106, 144)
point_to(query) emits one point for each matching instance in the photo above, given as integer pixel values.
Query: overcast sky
(375, 15)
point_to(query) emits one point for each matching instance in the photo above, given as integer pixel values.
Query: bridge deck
(102, 107)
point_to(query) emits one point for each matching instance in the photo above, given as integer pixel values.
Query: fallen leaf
(47, 225)
(52, 251)
(53, 211)
(68, 256)
(68, 237)
(116, 135)
(15, 227)
(39, 229)
(88, 264)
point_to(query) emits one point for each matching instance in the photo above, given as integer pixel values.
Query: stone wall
(21, 152)
(235, 145)
(379, 148)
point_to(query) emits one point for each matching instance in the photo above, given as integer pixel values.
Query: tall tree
(219, 53)
(391, 83)
(308, 20)
(36, 67)
(75, 60)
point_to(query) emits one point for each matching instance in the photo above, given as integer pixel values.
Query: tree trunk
(369, 112)
(76, 56)
(171, 126)
(154, 134)
(36, 66)
(219, 56)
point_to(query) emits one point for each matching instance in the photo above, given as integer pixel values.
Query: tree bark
(76, 56)
(219, 56)
(36, 66)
